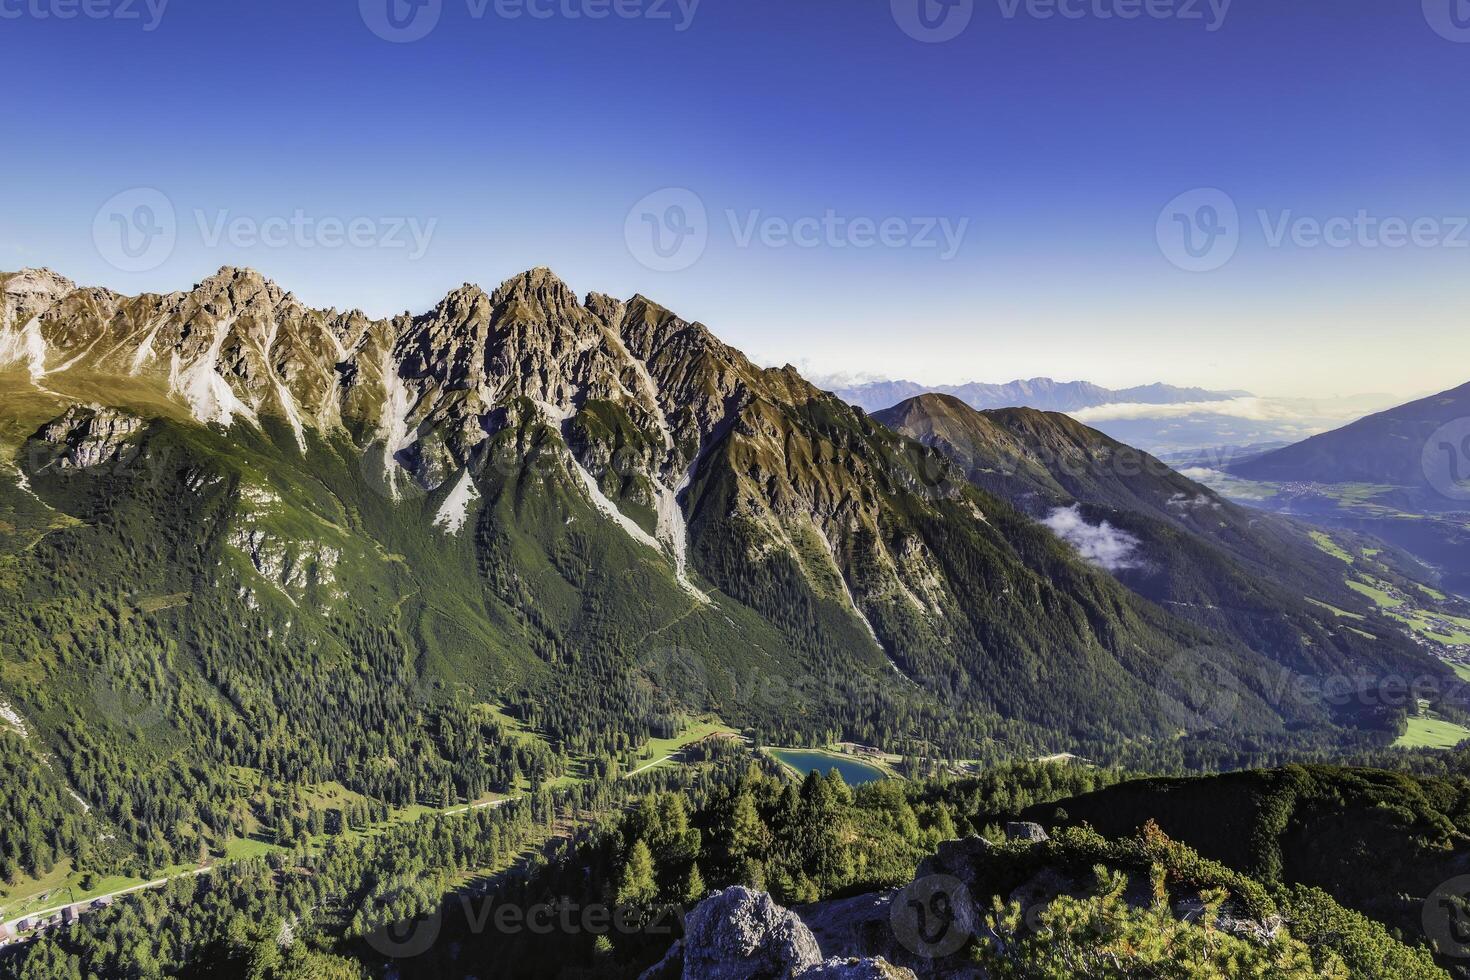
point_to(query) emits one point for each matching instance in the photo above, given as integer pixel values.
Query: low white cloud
(1102, 545)
(1255, 409)
(1323, 412)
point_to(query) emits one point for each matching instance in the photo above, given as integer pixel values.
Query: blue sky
(1053, 144)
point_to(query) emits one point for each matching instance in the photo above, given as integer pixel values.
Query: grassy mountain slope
(1261, 579)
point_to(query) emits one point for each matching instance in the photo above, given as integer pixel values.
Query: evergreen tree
(694, 887)
(637, 888)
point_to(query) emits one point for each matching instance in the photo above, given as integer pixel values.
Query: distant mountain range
(1044, 394)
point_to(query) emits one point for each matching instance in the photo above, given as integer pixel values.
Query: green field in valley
(1325, 542)
(661, 750)
(1432, 733)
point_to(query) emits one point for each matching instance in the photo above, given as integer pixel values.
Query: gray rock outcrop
(741, 934)
(90, 435)
(1026, 831)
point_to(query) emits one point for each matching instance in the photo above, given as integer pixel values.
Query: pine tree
(748, 834)
(637, 888)
(694, 887)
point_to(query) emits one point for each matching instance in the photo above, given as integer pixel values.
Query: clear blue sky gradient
(528, 141)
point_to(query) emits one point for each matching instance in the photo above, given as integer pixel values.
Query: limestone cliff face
(90, 435)
(653, 410)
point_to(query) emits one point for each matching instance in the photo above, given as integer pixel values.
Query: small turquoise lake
(854, 773)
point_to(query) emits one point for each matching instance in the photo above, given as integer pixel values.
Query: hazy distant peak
(1046, 394)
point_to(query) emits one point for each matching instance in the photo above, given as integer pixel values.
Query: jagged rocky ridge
(867, 553)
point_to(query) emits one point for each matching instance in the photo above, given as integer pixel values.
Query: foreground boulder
(741, 934)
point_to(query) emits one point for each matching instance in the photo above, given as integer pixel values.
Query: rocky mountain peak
(30, 292)
(540, 290)
(234, 291)
(467, 302)
(43, 281)
(609, 309)
(933, 401)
